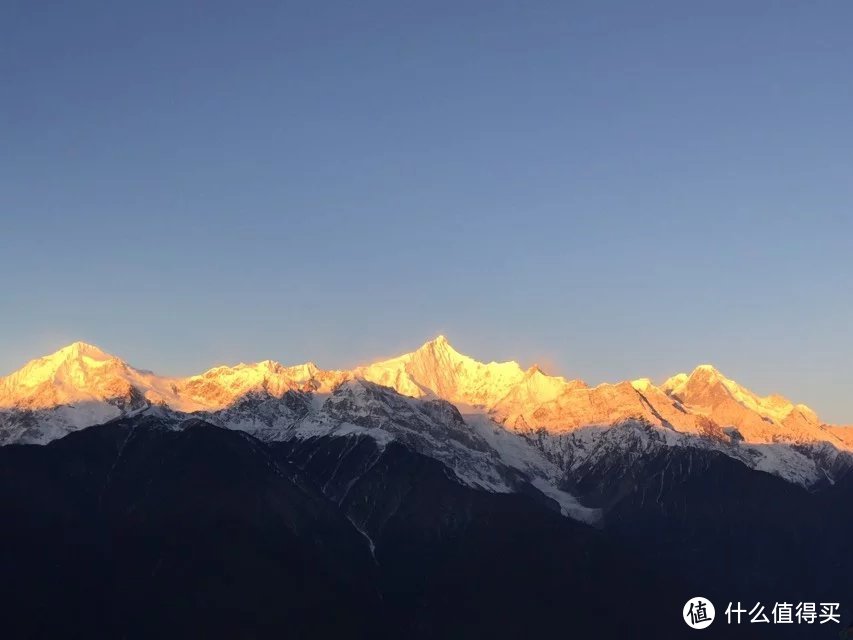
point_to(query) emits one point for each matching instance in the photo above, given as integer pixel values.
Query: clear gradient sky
(613, 189)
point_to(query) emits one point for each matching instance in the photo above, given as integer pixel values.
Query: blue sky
(613, 189)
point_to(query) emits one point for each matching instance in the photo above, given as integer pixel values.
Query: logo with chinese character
(698, 613)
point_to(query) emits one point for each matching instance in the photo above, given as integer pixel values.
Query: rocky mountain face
(429, 495)
(133, 529)
(147, 527)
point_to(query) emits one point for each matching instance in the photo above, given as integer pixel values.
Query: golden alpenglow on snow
(261, 211)
(81, 385)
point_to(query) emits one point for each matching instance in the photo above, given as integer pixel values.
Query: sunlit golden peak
(522, 399)
(439, 343)
(642, 384)
(269, 365)
(705, 368)
(80, 348)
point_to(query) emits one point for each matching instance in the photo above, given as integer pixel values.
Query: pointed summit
(71, 364)
(707, 372)
(437, 369)
(80, 349)
(705, 385)
(761, 419)
(705, 368)
(77, 373)
(701, 376)
(642, 384)
(439, 344)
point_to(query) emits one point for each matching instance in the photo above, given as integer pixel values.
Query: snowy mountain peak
(80, 349)
(81, 385)
(706, 391)
(79, 354)
(702, 376)
(440, 339)
(77, 365)
(437, 369)
(438, 349)
(703, 372)
(706, 368)
(642, 384)
(535, 370)
(223, 386)
(674, 382)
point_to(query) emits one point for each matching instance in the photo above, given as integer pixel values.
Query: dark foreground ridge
(136, 530)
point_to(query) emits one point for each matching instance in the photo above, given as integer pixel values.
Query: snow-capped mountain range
(496, 426)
